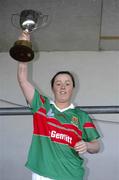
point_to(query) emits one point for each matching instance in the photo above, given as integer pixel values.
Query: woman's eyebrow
(58, 81)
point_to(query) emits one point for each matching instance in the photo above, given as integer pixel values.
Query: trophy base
(21, 51)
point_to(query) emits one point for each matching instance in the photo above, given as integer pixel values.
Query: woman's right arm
(22, 75)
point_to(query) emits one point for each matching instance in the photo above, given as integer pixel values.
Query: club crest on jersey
(75, 120)
(50, 113)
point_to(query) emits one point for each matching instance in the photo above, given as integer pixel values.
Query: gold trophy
(29, 21)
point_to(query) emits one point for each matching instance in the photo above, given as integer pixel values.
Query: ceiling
(73, 25)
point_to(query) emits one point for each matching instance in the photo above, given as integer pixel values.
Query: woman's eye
(67, 84)
(58, 84)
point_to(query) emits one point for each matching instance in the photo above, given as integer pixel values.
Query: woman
(61, 132)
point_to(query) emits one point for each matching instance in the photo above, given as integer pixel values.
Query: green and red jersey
(55, 133)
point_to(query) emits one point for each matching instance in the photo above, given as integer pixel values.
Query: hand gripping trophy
(29, 21)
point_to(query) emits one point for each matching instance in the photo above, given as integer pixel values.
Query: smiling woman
(59, 130)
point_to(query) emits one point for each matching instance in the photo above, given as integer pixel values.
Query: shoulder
(40, 97)
(39, 100)
(83, 116)
(81, 112)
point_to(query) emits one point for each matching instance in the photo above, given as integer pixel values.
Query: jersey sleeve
(89, 129)
(38, 101)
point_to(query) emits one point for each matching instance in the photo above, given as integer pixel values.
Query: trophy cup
(29, 21)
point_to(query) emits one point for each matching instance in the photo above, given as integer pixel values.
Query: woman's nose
(62, 86)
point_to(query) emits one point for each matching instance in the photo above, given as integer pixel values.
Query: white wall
(97, 76)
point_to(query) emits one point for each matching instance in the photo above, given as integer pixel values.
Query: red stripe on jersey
(68, 126)
(40, 125)
(50, 127)
(89, 125)
(65, 136)
(42, 110)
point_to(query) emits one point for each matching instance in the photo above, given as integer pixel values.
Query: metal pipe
(12, 111)
(89, 109)
(100, 109)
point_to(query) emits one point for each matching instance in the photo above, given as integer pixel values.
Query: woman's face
(62, 88)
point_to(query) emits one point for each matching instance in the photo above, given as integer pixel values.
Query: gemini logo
(60, 136)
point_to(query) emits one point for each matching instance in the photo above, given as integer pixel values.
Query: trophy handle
(42, 21)
(14, 20)
(45, 19)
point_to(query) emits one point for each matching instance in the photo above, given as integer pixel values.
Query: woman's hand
(81, 147)
(25, 36)
(91, 147)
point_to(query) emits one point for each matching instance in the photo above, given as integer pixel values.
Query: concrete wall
(97, 77)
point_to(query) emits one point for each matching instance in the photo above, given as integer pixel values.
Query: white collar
(71, 106)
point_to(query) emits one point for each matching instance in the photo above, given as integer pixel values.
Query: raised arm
(26, 86)
(22, 74)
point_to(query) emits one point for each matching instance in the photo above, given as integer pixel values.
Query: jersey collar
(71, 106)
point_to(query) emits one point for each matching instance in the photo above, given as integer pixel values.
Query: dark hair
(62, 72)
